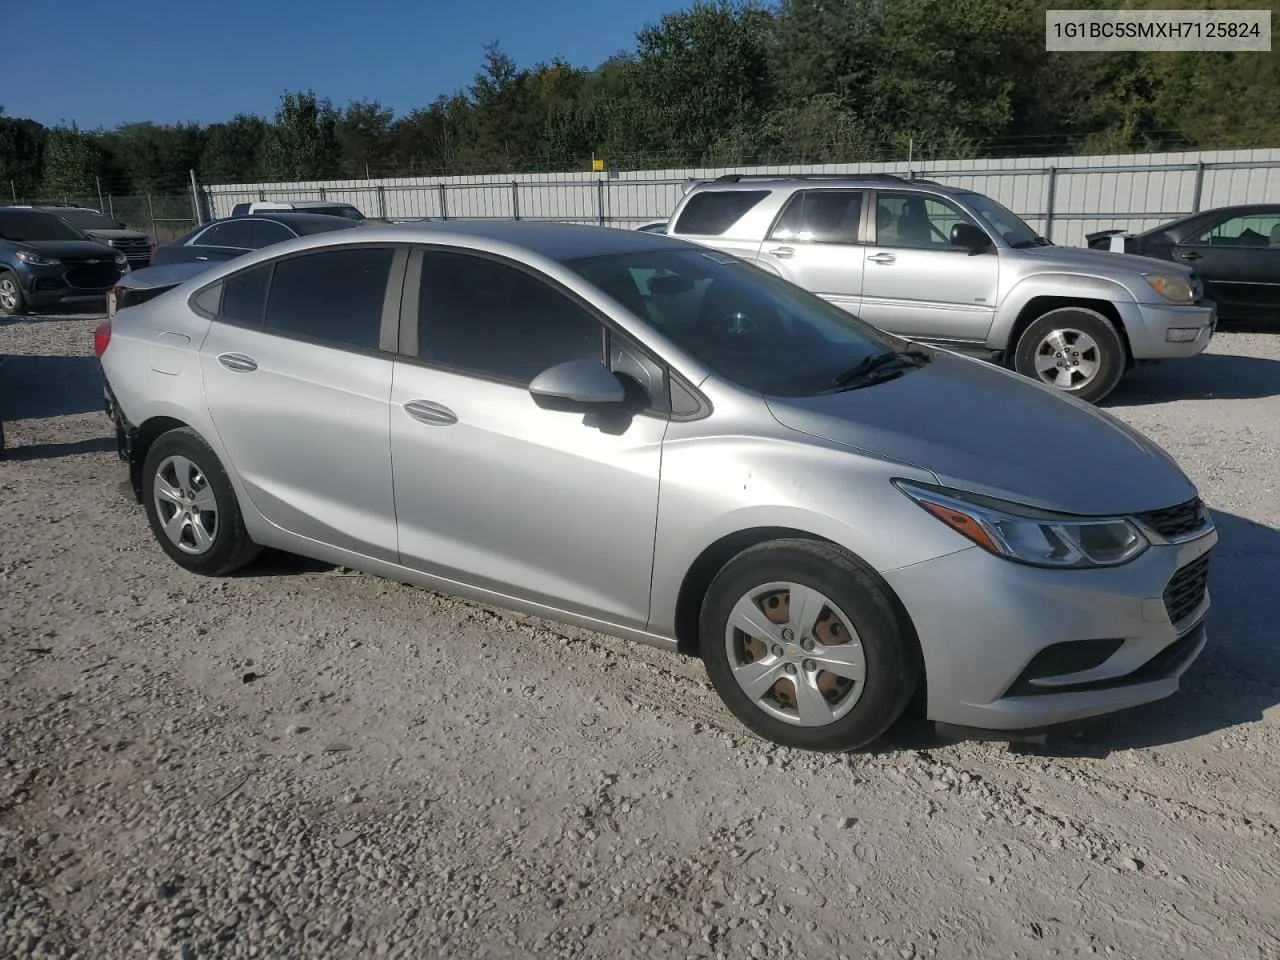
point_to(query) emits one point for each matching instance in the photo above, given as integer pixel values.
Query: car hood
(1103, 261)
(117, 234)
(72, 249)
(164, 275)
(989, 431)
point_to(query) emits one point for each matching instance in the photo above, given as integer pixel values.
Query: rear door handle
(202, 258)
(882, 258)
(424, 411)
(1191, 255)
(783, 253)
(238, 362)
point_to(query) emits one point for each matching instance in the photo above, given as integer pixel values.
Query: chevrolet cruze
(635, 434)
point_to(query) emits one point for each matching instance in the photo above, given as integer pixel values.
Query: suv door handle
(1191, 255)
(882, 258)
(238, 362)
(424, 411)
(202, 258)
(783, 253)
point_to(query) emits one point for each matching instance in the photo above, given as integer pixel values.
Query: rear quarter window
(711, 213)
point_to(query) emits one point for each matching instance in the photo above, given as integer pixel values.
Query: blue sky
(102, 64)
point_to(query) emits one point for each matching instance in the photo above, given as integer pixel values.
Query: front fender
(1059, 286)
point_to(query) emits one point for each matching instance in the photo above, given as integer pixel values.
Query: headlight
(1171, 287)
(35, 260)
(121, 259)
(1026, 535)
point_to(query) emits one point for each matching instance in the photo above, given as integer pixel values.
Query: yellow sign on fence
(597, 165)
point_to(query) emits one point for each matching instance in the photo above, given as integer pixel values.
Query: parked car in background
(1234, 250)
(953, 267)
(234, 236)
(325, 207)
(653, 226)
(139, 286)
(134, 244)
(641, 435)
(44, 260)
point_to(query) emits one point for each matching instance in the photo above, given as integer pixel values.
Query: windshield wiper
(881, 366)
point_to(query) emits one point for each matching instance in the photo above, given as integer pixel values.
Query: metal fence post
(111, 206)
(1199, 188)
(382, 202)
(151, 210)
(195, 201)
(515, 200)
(444, 206)
(1049, 203)
(98, 182)
(600, 201)
(322, 194)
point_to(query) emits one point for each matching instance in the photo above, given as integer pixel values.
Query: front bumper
(1160, 331)
(984, 622)
(47, 285)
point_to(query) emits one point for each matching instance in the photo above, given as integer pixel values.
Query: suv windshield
(756, 330)
(87, 219)
(1012, 227)
(32, 226)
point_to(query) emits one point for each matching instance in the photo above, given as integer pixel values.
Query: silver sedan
(632, 433)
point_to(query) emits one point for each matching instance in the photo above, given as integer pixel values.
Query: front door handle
(1191, 255)
(238, 362)
(424, 411)
(783, 253)
(882, 258)
(202, 258)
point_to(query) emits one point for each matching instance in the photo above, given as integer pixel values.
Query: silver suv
(956, 268)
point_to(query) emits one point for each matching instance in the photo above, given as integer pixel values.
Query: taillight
(101, 337)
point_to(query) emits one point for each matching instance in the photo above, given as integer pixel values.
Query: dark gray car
(44, 259)
(134, 244)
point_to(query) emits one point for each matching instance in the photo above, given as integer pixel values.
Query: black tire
(11, 291)
(231, 546)
(892, 658)
(1109, 347)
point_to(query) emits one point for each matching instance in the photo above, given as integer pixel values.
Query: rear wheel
(12, 300)
(192, 506)
(1072, 349)
(802, 644)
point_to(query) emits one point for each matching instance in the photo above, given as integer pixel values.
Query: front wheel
(192, 506)
(1072, 349)
(803, 645)
(12, 300)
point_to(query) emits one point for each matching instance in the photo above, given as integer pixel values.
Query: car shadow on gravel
(1233, 681)
(50, 451)
(38, 387)
(1210, 376)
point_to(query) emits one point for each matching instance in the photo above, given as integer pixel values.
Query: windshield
(31, 226)
(756, 330)
(88, 219)
(1012, 227)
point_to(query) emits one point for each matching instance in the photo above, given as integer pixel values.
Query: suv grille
(1186, 589)
(1174, 522)
(92, 276)
(136, 249)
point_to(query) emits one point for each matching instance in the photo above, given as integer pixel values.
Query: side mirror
(969, 237)
(577, 385)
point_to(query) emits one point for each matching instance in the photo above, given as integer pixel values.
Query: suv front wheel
(1073, 349)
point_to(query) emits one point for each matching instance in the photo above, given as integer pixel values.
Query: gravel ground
(294, 762)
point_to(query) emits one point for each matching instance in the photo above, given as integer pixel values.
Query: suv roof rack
(738, 177)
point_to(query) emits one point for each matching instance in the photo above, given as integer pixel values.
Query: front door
(916, 283)
(1239, 261)
(300, 338)
(815, 244)
(491, 489)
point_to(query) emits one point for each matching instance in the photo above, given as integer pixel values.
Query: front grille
(92, 276)
(1187, 588)
(1174, 522)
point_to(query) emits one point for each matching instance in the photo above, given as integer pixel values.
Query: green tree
(70, 163)
(364, 137)
(302, 142)
(233, 150)
(155, 158)
(21, 156)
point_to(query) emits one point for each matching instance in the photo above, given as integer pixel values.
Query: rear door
(298, 384)
(1239, 260)
(816, 244)
(916, 283)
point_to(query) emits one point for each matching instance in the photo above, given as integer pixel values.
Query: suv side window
(820, 216)
(334, 296)
(916, 220)
(482, 317)
(1253, 230)
(712, 212)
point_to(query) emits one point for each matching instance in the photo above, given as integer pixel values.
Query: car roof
(283, 216)
(1191, 220)
(800, 181)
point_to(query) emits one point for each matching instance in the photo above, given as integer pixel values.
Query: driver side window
(916, 220)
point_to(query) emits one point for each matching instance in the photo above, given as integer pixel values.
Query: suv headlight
(1171, 287)
(121, 259)
(1027, 535)
(32, 259)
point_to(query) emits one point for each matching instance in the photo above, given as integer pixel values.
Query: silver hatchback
(644, 436)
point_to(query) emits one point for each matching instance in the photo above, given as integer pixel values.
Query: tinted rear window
(715, 211)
